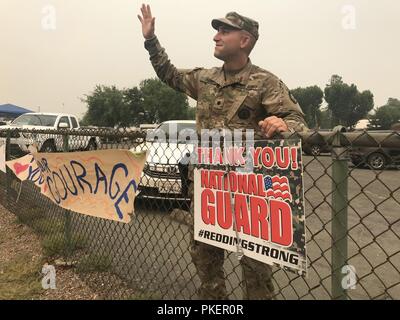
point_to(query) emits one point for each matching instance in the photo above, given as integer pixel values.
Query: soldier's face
(227, 43)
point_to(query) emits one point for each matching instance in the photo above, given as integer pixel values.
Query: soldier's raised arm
(184, 80)
(147, 21)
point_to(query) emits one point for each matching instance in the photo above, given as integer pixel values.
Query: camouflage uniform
(238, 101)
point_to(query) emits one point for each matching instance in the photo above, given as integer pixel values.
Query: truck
(48, 142)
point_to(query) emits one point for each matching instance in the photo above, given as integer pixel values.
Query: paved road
(152, 251)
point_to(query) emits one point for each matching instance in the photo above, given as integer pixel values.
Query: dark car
(375, 149)
(316, 143)
(376, 158)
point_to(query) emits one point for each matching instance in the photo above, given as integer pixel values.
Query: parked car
(376, 149)
(315, 144)
(48, 142)
(376, 158)
(164, 176)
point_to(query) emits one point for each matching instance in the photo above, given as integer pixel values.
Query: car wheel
(91, 146)
(48, 146)
(315, 150)
(377, 161)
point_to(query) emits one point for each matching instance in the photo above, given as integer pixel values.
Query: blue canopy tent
(11, 111)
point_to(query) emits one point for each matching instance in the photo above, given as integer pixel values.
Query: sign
(99, 183)
(3, 154)
(26, 168)
(252, 202)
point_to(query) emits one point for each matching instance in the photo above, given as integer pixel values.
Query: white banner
(100, 183)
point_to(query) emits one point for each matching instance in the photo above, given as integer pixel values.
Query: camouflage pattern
(237, 21)
(236, 101)
(209, 260)
(297, 191)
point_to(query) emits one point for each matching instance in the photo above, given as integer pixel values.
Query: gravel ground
(21, 261)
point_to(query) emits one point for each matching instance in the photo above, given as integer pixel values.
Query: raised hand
(148, 22)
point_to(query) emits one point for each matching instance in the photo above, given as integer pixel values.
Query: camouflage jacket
(239, 103)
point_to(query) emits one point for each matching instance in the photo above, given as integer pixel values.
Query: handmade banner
(99, 183)
(26, 168)
(3, 154)
(252, 202)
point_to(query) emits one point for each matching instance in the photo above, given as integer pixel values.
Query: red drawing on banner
(20, 168)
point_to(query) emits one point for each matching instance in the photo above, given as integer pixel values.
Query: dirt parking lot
(151, 252)
(155, 244)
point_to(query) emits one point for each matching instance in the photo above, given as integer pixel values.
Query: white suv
(162, 176)
(49, 142)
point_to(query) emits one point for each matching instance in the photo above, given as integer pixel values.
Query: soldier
(238, 95)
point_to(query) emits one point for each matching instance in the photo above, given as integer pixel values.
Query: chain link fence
(351, 191)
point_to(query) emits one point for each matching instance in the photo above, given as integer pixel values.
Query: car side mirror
(63, 125)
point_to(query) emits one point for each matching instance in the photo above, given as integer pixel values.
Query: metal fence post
(339, 214)
(67, 214)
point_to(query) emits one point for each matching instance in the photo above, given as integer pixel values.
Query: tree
(386, 116)
(161, 103)
(346, 103)
(152, 102)
(325, 118)
(134, 111)
(191, 115)
(106, 107)
(310, 100)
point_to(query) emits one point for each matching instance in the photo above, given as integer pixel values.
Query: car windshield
(174, 131)
(35, 120)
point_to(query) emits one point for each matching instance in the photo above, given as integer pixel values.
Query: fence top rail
(354, 138)
(100, 132)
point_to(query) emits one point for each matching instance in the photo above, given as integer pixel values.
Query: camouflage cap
(237, 21)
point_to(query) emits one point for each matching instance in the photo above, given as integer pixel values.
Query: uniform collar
(242, 77)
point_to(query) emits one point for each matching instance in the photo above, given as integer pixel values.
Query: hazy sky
(54, 52)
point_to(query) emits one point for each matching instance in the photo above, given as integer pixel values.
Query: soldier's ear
(245, 41)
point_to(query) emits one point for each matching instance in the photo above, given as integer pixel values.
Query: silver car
(169, 144)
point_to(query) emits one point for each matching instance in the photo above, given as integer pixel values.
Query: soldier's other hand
(273, 124)
(148, 21)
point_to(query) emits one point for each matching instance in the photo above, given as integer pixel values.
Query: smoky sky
(54, 52)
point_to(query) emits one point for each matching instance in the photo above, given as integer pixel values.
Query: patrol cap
(237, 21)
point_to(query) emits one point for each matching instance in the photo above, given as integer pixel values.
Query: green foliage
(162, 102)
(20, 278)
(310, 100)
(191, 113)
(56, 244)
(106, 105)
(152, 102)
(386, 116)
(94, 263)
(134, 107)
(46, 226)
(346, 104)
(325, 119)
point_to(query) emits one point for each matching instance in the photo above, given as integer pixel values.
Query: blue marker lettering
(80, 177)
(124, 196)
(100, 176)
(116, 167)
